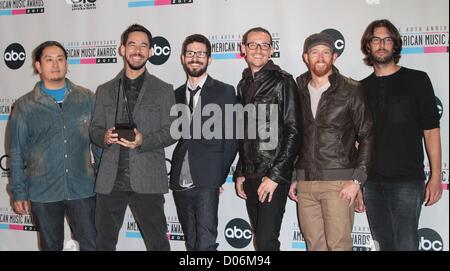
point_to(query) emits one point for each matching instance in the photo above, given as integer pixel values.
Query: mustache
(138, 54)
(195, 62)
(382, 50)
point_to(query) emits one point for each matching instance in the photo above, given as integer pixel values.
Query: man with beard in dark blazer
(200, 164)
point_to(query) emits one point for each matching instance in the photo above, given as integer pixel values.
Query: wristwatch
(357, 182)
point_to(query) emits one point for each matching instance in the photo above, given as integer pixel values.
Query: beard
(321, 71)
(57, 78)
(136, 67)
(387, 58)
(195, 73)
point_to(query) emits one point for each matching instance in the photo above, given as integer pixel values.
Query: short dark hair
(37, 52)
(368, 35)
(135, 28)
(255, 29)
(197, 38)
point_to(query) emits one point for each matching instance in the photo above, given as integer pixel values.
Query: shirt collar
(200, 83)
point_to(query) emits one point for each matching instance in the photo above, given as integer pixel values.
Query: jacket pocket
(340, 152)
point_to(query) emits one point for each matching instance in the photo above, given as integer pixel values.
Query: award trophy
(124, 128)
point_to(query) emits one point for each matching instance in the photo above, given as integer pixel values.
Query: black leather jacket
(270, 85)
(342, 119)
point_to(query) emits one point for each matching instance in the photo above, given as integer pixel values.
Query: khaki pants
(326, 221)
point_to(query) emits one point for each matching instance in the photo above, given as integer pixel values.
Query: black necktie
(192, 93)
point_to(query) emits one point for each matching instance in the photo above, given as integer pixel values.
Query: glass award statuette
(124, 124)
(125, 130)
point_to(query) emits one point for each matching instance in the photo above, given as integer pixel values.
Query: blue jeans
(50, 221)
(197, 211)
(393, 211)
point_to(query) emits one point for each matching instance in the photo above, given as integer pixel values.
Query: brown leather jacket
(329, 150)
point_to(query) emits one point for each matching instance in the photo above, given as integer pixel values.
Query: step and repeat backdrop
(90, 30)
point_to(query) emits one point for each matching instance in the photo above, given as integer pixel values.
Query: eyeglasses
(255, 45)
(378, 40)
(199, 54)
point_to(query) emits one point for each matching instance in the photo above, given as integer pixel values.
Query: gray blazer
(148, 173)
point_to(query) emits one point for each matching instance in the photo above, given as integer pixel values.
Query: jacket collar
(209, 82)
(40, 96)
(206, 89)
(201, 83)
(145, 86)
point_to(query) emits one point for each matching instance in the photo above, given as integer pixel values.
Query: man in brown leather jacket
(331, 167)
(264, 171)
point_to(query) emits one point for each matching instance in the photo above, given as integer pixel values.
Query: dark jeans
(50, 221)
(393, 211)
(266, 217)
(147, 209)
(197, 210)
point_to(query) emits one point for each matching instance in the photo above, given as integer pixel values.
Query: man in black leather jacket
(330, 168)
(264, 170)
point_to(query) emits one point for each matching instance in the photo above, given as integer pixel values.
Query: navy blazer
(209, 159)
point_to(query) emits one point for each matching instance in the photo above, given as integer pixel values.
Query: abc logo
(161, 51)
(3, 163)
(238, 233)
(14, 56)
(429, 240)
(169, 166)
(339, 41)
(439, 107)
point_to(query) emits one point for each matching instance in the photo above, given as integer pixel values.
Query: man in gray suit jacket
(132, 169)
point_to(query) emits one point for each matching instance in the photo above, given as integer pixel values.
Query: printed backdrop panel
(90, 30)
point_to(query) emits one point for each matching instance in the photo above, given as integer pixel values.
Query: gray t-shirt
(315, 96)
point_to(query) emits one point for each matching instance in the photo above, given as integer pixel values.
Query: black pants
(266, 217)
(147, 209)
(197, 210)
